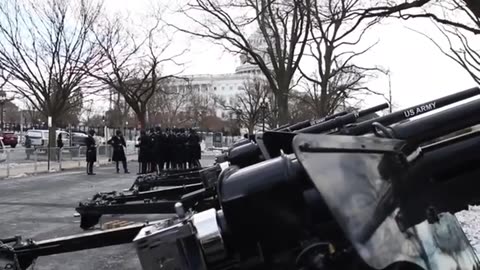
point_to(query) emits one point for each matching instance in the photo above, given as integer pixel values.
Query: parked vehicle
(3, 154)
(39, 138)
(79, 138)
(9, 138)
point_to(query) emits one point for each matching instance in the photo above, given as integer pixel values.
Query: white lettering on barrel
(420, 109)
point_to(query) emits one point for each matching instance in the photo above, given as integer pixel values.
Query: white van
(39, 137)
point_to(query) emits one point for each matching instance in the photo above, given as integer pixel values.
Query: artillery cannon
(370, 201)
(203, 189)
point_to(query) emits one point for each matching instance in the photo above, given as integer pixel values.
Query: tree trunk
(141, 117)
(282, 104)
(250, 129)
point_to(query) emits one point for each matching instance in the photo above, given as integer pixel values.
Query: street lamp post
(263, 107)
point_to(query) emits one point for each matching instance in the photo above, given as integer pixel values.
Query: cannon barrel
(340, 121)
(439, 124)
(308, 123)
(249, 153)
(366, 126)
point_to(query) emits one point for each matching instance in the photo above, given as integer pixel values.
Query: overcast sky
(420, 72)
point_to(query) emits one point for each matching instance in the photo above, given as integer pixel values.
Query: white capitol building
(224, 86)
(213, 86)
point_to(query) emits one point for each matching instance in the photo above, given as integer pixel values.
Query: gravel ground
(470, 221)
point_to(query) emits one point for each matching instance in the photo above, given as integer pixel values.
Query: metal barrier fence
(226, 140)
(17, 162)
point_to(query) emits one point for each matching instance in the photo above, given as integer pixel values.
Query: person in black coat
(91, 152)
(172, 162)
(143, 144)
(59, 145)
(197, 149)
(152, 157)
(118, 143)
(160, 148)
(181, 149)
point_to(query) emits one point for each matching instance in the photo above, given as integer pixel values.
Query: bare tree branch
(276, 46)
(246, 105)
(338, 26)
(132, 64)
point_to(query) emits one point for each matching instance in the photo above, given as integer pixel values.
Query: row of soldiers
(169, 149)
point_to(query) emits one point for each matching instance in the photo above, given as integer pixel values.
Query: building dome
(248, 65)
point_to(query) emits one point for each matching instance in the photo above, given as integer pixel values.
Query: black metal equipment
(145, 199)
(281, 141)
(356, 201)
(276, 141)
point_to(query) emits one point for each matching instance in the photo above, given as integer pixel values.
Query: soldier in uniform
(118, 143)
(152, 157)
(181, 149)
(172, 142)
(160, 149)
(167, 146)
(143, 145)
(91, 152)
(197, 150)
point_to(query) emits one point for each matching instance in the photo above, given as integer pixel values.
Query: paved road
(42, 207)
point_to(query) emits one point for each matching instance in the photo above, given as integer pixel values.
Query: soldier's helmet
(158, 129)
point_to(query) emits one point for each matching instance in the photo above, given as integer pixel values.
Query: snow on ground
(470, 221)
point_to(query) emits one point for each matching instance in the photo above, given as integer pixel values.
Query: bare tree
(338, 27)
(437, 11)
(168, 106)
(459, 28)
(300, 110)
(95, 120)
(45, 47)
(247, 104)
(119, 112)
(32, 115)
(200, 104)
(132, 65)
(276, 46)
